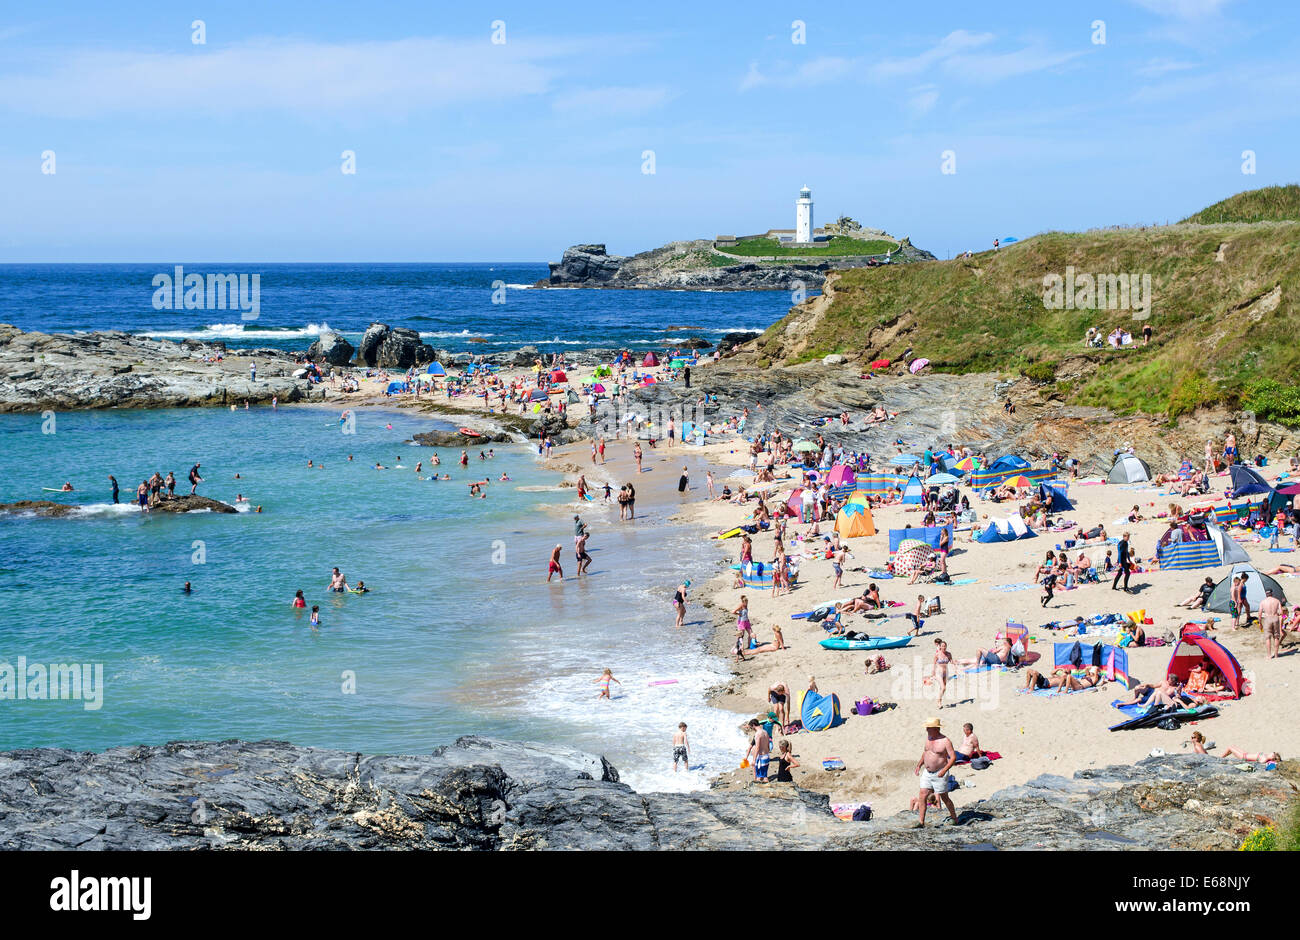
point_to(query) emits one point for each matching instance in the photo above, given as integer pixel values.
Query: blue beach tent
(912, 492)
(819, 712)
(1006, 530)
(1054, 499)
(435, 368)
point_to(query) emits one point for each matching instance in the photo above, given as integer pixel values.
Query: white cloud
(302, 77)
(922, 99)
(611, 101)
(955, 42)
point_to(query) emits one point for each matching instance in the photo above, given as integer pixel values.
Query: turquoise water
(460, 634)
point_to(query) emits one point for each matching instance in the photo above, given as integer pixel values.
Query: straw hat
(932, 723)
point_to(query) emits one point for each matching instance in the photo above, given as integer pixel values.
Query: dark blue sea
(460, 307)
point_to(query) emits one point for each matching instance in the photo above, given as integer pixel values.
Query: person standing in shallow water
(683, 481)
(112, 479)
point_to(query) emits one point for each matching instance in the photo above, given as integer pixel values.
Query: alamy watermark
(1098, 292)
(181, 291)
(37, 682)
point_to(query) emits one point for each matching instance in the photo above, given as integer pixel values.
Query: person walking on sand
(939, 672)
(1124, 566)
(600, 447)
(744, 629)
(603, 681)
(937, 759)
(553, 567)
(679, 603)
(681, 747)
(636, 454)
(708, 479)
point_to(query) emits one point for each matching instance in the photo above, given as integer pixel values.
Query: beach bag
(935, 606)
(864, 707)
(862, 813)
(1168, 724)
(980, 763)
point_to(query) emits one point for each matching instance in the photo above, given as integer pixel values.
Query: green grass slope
(1271, 204)
(1223, 310)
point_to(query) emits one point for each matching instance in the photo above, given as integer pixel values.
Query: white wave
(451, 334)
(218, 331)
(106, 509)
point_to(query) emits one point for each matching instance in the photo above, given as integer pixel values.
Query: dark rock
(401, 348)
(585, 265)
(371, 340)
(695, 342)
(731, 340)
(458, 439)
(182, 503)
(331, 348)
(491, 795)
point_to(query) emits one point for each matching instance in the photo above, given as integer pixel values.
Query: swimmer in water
(379, 466)
(503, 479)
(298, 599)
(67, 487)
(315, 616)
(308, 464)
(187, 589)
(241, 498)
(338, 583)
(361, 588)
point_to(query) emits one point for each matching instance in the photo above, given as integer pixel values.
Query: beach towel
(965, 581)
(1051, 692)
(1006, 588)
(991, 755)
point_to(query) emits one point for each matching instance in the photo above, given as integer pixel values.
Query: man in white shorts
(936, 761)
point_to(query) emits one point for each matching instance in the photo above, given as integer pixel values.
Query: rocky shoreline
(481, 794)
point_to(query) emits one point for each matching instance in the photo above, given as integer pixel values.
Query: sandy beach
(1034, 734)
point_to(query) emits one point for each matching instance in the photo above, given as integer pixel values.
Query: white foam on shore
(219, 331)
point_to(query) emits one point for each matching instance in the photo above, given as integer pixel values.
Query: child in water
(315, 616)
(605, 679)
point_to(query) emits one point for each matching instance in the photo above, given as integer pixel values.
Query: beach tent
(913, 493)
(819, 712)
(1221, 600)
(537, 394)
(855, 521)
(573, 397)
(647, 379)
(1054, 498)
(435, 368)
(1009, 462)
(395, 387)
(650, 359)
(559, 376)
(1230, 552)
(1246, 481)
(928, 534)
(1129, 469)
(1195, 647)
(841, 481)
(1006, 530)
(602, 371)
(1112, 659)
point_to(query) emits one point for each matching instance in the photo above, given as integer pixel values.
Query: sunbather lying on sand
(1262, 757)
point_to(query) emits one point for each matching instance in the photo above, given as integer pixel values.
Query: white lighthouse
(803, 229)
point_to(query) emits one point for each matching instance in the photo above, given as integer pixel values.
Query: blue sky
(478, 151)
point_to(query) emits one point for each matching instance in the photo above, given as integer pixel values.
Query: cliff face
(693, 265)
(490, 795)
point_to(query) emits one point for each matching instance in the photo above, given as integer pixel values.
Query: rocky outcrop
(112, 369)
(393, 347)
(182, 503)
(458, 438)
(694, 265)
(490, 795)
(331, 348)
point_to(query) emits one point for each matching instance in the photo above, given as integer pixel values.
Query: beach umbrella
(942, 478)
(857, 498)
(967, 463)
(805, 446)
(647, 379)
(1018, 481)
(913, 558)
(1291, 490)
(918, 364)
(795, 502)
(904, 460)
